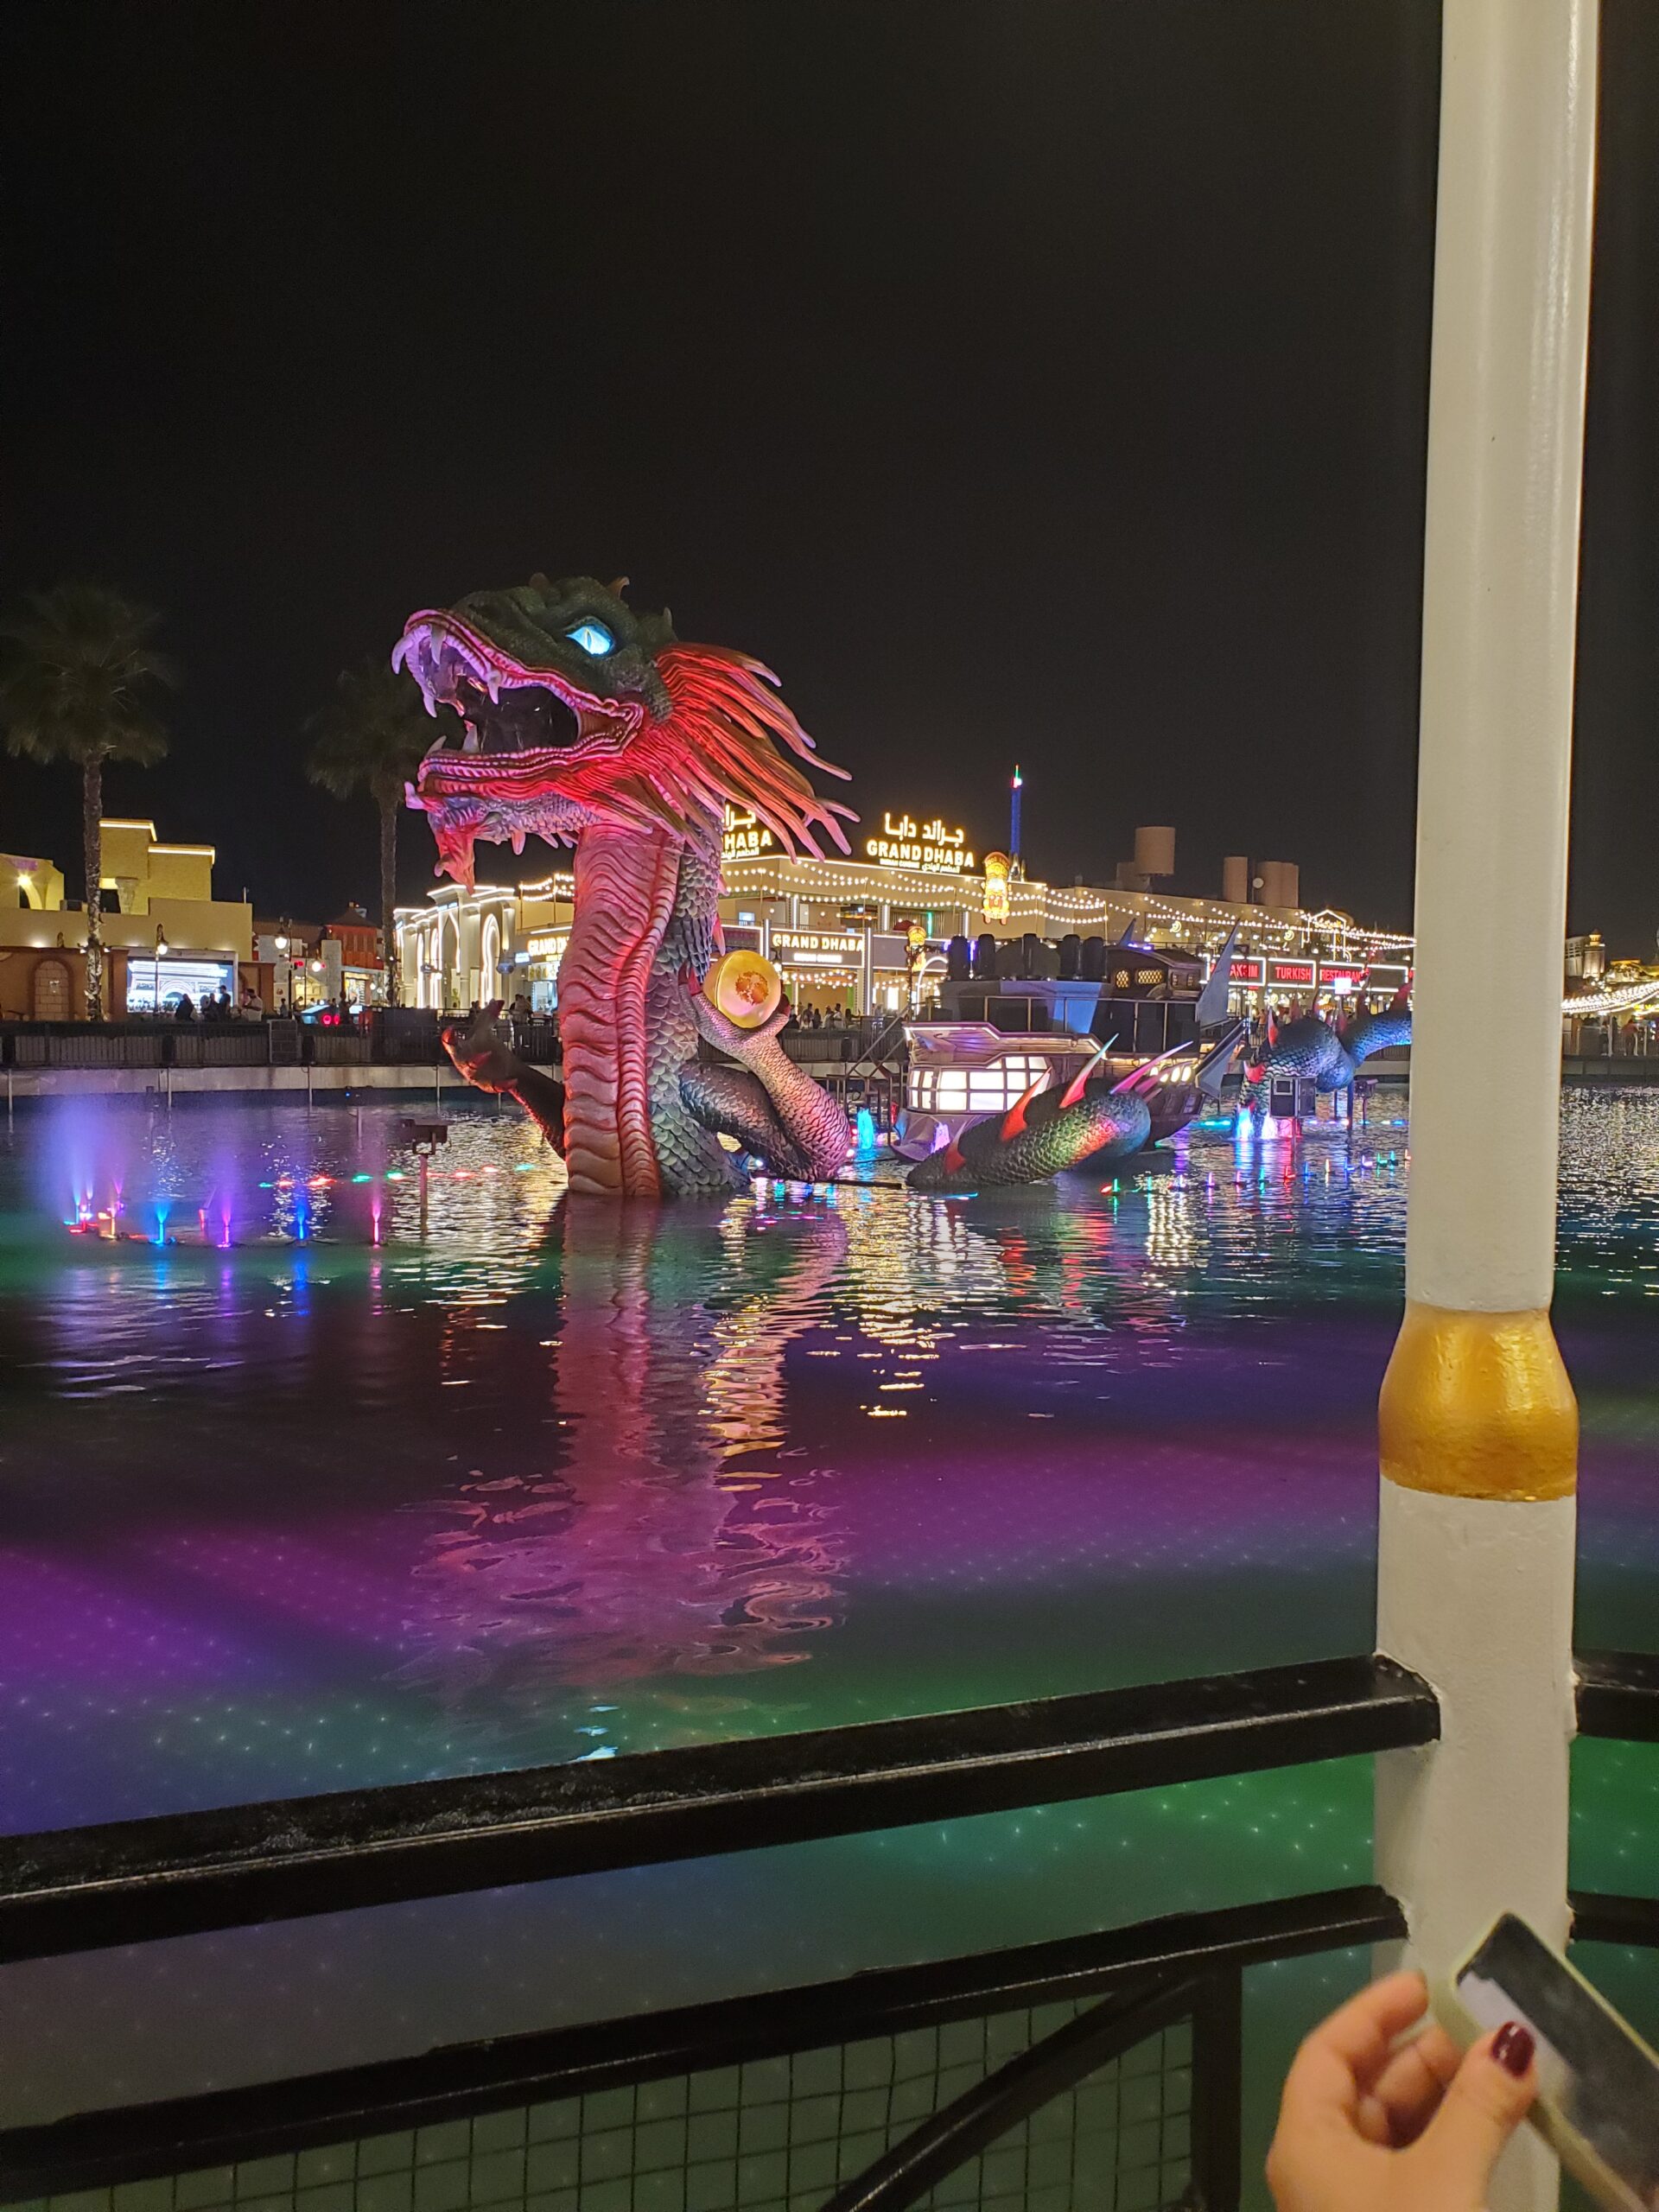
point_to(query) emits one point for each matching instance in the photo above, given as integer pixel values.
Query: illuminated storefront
(496, 941)
(160, 986)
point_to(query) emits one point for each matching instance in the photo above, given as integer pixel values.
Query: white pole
(1479, 1424)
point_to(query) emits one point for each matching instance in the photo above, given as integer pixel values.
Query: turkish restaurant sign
(1301, 974)
(906, 844)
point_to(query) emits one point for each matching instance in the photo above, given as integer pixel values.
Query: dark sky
(1042, 379)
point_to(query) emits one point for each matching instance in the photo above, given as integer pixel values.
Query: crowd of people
(217, 1005)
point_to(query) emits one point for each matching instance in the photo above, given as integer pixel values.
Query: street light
(156, 970)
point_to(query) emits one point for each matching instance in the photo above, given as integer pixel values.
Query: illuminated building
(165, 935)
(298, 964)
(496, 941)
(839, 928)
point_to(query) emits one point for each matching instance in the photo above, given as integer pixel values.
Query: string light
(1033, 905)
(1624, 998)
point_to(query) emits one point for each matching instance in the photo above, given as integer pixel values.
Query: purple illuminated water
(288, 1509)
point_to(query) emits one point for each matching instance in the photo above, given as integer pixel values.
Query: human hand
(1368, 2124)
(481, 1053)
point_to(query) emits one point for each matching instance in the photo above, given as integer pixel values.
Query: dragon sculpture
(579, 720)
(1329, 1057)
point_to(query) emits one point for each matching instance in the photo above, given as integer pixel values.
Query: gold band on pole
(1479, 1405)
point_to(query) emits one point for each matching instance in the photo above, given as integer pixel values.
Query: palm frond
(78, 676)
(371, 737)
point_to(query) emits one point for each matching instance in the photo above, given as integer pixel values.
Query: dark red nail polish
(1512, 2048)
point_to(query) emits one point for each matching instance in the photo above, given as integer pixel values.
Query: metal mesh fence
(773, 2135)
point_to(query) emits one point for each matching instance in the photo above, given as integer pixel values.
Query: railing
(899, 2027)
(1121, 2048)
(854, 1041)
(132, 1881)
(400, 1038)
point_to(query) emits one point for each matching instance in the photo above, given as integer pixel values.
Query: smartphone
(1598, 2082)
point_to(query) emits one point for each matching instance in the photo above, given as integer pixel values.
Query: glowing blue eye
(592, 637)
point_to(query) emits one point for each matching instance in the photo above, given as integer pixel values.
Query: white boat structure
(995, 1038)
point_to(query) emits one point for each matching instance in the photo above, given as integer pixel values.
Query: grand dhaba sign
(741, 837)
(905, 842)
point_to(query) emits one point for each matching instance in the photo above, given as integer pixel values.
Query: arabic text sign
(905, 842)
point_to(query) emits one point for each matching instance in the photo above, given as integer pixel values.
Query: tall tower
(1016, 788)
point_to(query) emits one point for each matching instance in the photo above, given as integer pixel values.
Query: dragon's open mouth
(530, 741)
(522, 729)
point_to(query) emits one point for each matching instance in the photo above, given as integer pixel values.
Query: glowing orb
(746, 987)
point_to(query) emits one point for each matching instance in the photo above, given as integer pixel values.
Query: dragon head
(575, 711)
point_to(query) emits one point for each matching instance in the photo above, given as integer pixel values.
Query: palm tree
(372, 737)
(77, 674)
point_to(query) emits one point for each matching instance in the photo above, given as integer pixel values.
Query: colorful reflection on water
(300, 1502)
(326, 1505)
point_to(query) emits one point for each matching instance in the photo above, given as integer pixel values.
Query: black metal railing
(1619, 1695)
(401, 1037)
(878, 1042)
(1184, 1965)
(133, 1881)
(1118, 1991)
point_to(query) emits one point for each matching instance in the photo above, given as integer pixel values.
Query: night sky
(1039, 380)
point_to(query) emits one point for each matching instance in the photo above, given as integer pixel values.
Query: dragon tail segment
(1105, 1123)
(1309, 1048)
(1378, 1032)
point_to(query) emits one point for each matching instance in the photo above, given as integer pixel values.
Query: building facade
(298, 964)
(165, 934)
(498, 941)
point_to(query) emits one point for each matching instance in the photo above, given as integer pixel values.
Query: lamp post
(155, 971)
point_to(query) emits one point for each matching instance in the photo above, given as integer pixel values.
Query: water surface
(293, 1500)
